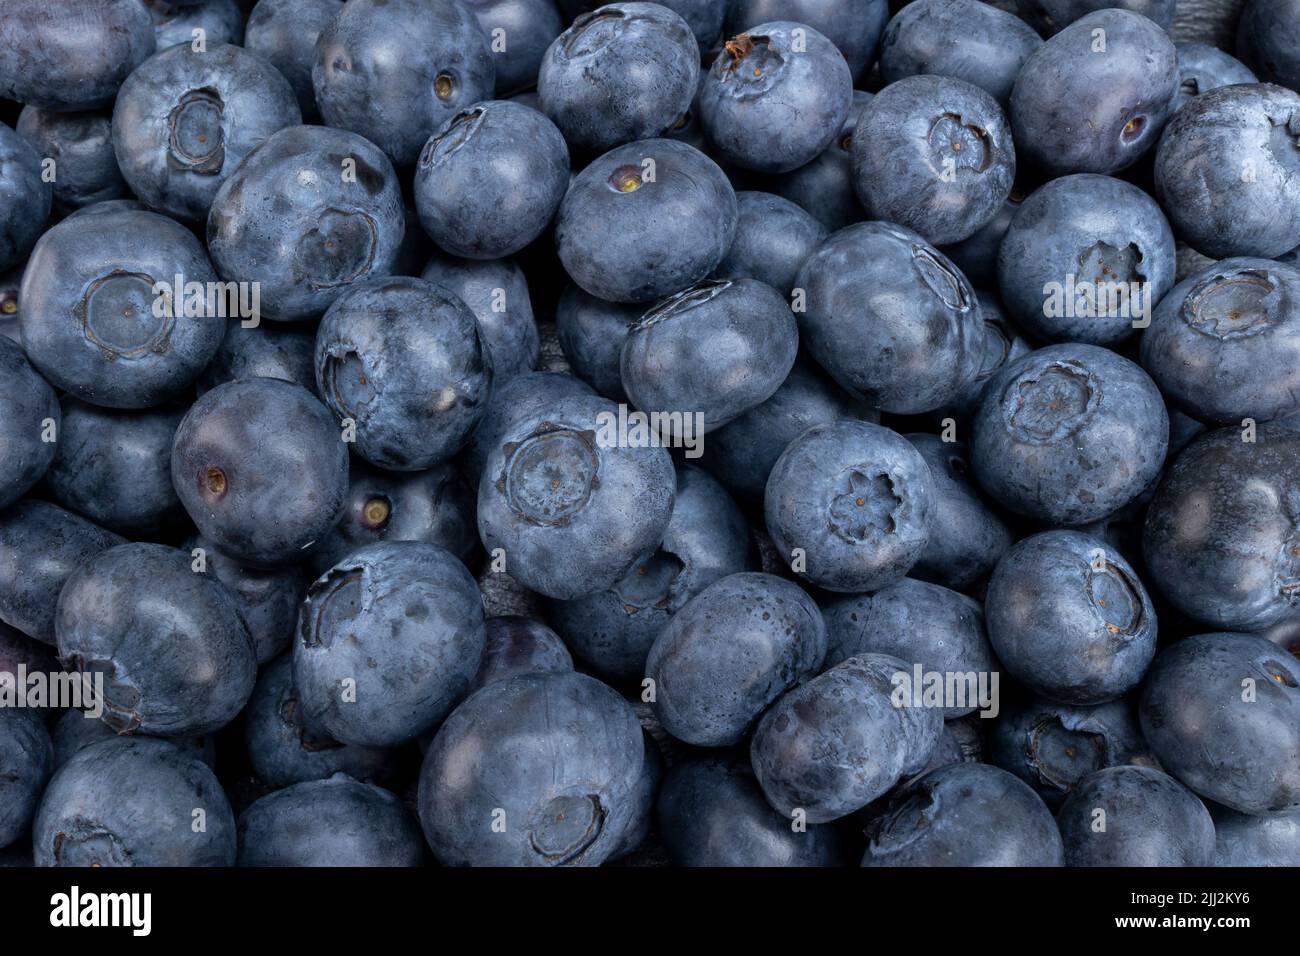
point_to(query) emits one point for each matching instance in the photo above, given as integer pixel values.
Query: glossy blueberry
(621, 73)
(1220, 714)
(284, 33)
(261, 468)
(626, 237)
(977, 256)
(307, 214)
(591, 333)
(1118, 99)
(222, 21)
(707, 539)
(775, 98)
(1052, 16)
(497, 293)
(132, 802)
(263, 352)
(1267, 37)
(890, 318)
(1246, 840)
(28, 758)
(29, 414)
(1202, 68)
(75, 731)
(523, 396)
(81, 145)
(965, 814)
(831, 746)
(1086, 259)
(559, 754)
(1199, 167)
(40, 546)
(570, 506)
(1220, 538)
(71, 54)
(934, 154)
(773, 238)
(268, 600)
(1046, 420)
(519, 645)
(848, 505)
(853, 26)
(1150, 820)
(824, 186)
(526, 28)
(25, 198)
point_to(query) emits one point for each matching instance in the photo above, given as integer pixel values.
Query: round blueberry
(1268, 35)
(268, 600)
(264, 351)
(773, 238)
(1202, 68)
(591, 333)
(81, 146)
(497, 293)
(824, 186)
(519, 645)
(520, 32)
(30, 424)
(284, 33)
(854, 26)
(28, 758)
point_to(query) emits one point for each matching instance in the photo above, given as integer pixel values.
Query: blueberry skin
(1046, 419)
(773, 238)
(626, 238)
(918, 623)
(489, 181)
(71, 54)
(1267, 38)
(75, 731)
(717, 349)
(131, 802)
(1219, 532)
(1237, 752)
(122, 608)
(19, 650)
(90, 312)
(1215, 209)
(28, 758)
(114, 467)
(712, 813)
(283, 751)
(965, 814)
(395, 70)
(854, 26)
(404, 359)
(831, 746)
(10, 307)
(222, 21)
(771, 106)
(184, 120)
(404, 621)
(733, 649)
(559, 754)
(856, 500)
(1095, 229)
(41, 545)
(268, 600)
(1069, 618)
(591, 333)
(967, 536)
(963, 39)
(284, 33)
(622, 73)
(1151, 820)
(1121, 97)
(497, 293)
(25, 200)
(1224, 345)
(824, 186)
(1245, 840)
(1202, 68)
(263, 352)
(977, 255)
(531, 393)
(261, 468)
(890, 318)
(309, 212)
(707, 539)
(26, 403)
(518, 645)
(527, 28)
(1051, 16)
(81, 145)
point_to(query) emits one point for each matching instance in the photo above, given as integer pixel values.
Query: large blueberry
(25, 197)
(1202, 68)
(519, 645)
(81, 146)
(520, 32)
(266, 351)
(773, 238)
(523, 396)
(497, 293)
(591, 333)
(284, 32)
(29, 424)
(1268, 37)
(854, 26)
(28, 758)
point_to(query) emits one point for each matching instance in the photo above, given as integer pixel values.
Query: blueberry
(567, 508)
(1052, 16)
(1226, 171)
(612, 630)
(773, 238)
(101, 317)
(1085, 259)
(1119, 85)
(733, 649)
(964, 39)
(133, 801)
(712, 813)
(81, 146)
(639, 819)
(497, 293)
(1135, 816)
(890, 318)
(261, 468)
(854, 26)
(554, 779)
(281, 748)
(831, 746)
(1220, 714)
(1202, 68)
(624, 72)
(41, 545)
(25, 197)
(591, 333)
(1267, 35)
(283, 352)
(824, 186)
(848, 504)
(645, 220)
(268, 600)
(520, 32)
(335, 822)
(309, 212)
(977, 256)
(1046, 420)
(1246, 840)
(28, 758)
(388, 641)
(221, 21)
(184, 120)
(71, 54)
(775, 97)
(75, 731)
(396, 70)
(519, 645)
(965, 814)
(29, 415)
(284, 33)
(1219, 539)
(18, 650)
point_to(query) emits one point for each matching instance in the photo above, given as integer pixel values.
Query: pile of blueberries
(522, 432)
